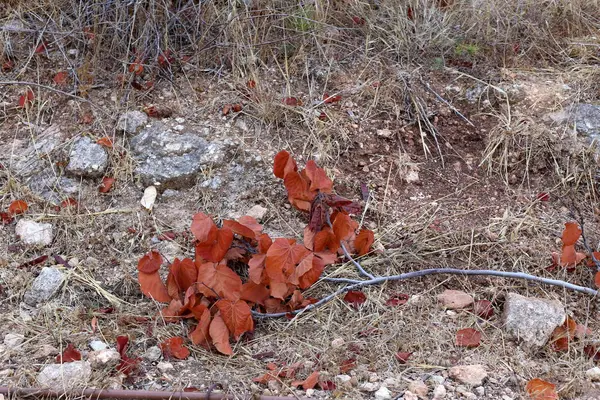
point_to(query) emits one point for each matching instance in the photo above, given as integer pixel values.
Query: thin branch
(50, 88)
(440, 98)
(434, 271)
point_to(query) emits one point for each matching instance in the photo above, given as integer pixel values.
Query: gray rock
(587, 119)
(98, 345)
(592, 374)
(103, 358)
(472, 375)
(153, 353)
(257, 212)
(44, 286)
(131, 122)
(383, 393)
(87, 158)
(52, 187)
(13, 340)
(171, 159)
(65, 376)
(164, 366)
(439, 392)
(531, 320)
(34, 233)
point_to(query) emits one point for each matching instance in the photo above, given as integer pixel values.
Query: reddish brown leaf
(105, 141)
(483, 309)
(282, 257)
(61, 78)
(200, 335)
(219, 335)
(543, 196)
(150, 262)
(137, 68)
(106, 185)
(326, 240)
(226, 109)
(256, 267)
(218, 280)
(538, 389)
(8, 65)
(239, 229)
(563, 335)
(251, 84)
(17, 207)
(403, 356)
(237, 107)
(203, 227)
(343, 226)
(308, 278)
(291, 101)
(173, 347)
(327, 385)
(26, 99)
(256, 293)
(215, 248)
(571, 233)
(355, 298)
(347, 365)
(69, 354)
(152, 286)
(68, 202)
(363, 242)
(331, 99)
(172, 312)
(318, 178)
(468, 337)
(361, 20)
(597, 279)
(397, 300)
(184, 273)
(264, 379)
(6, 218)
(310, 382)
(40, 48)
(237, 316)
(298, 189)
(283, 164)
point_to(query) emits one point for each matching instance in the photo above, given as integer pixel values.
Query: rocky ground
(490, 188)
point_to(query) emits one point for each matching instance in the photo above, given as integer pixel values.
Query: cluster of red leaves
(26, 98)
(569, 257)
(15, 208)
(238, 268)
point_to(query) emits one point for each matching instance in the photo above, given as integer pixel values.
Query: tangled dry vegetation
(438, 116)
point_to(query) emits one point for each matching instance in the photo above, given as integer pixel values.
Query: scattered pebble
(472, 375)
(44, 286)
(419, 388)
(13, 340)
(408, 395)
(102, 358)
(257, 212)
(34, 233)
(455, 299)
(153, 353)
(98, 345)
(439, 392)
(149, 198)
(164, 366)
(71, 375)
(383, 393)
(593, 373)
(337, 343)
(369, 386)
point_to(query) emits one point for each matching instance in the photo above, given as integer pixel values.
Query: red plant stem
(125, 394)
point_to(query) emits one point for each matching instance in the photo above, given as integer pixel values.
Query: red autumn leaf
(282, 257)
(343, 226)
(8, 65)
(363, 241)
(538, 389)
(236, 107)
(318, 178)
(323, 117)
(308, 278)
(256, 293)
(563, 335)
(17, 207)
(26, 99)
(68, 202)
(203, 227)
(298, 189)
(483, 309)
(331, 99)
(219, 335)
(327, 385)
(70, 354)
(152, 286)
(251, 84)
(291, 101)
(218, 280)
(136, 68)
(6, 218)
(310, 382)
(40, 48)
(127, 365)
(355, 298)
(597, 279)
(214, 249)
(200, 335)
(183, 274)
(358, 20)
(264, 379)
(226, 109)
(283, 164)
(571, 233)
(237, 316)
(150, 262)
(326, 240)
(397, 300)
(105, 141)
(347, 365)
(468, 337)
(543, 196)
(61, 77)
(172, 312)
(403, 356)
(173, 347)
(256, 267)
(106, 185)
(240, 229)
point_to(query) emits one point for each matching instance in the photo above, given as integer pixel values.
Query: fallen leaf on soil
(70, 354)
(468, 337)
(538, 389)
(309, 382)
(347, 365)
(40, 48)
(6, 218)
(105, 141)
(68, 202)
(127, 365)
(563, 335)
(61, 77)
(149, 198)
(106, 185)
(363, 242)
(219, 335)
(397, 300)
(403, 356)
(483, 309)
(237, 316)
(331, 99)
(173, 347)
(355, 298)
(17, 207)
(291, 101)
(26, 98)
(327, 385)
(264, 379)
(150, 262)
(543, 196)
